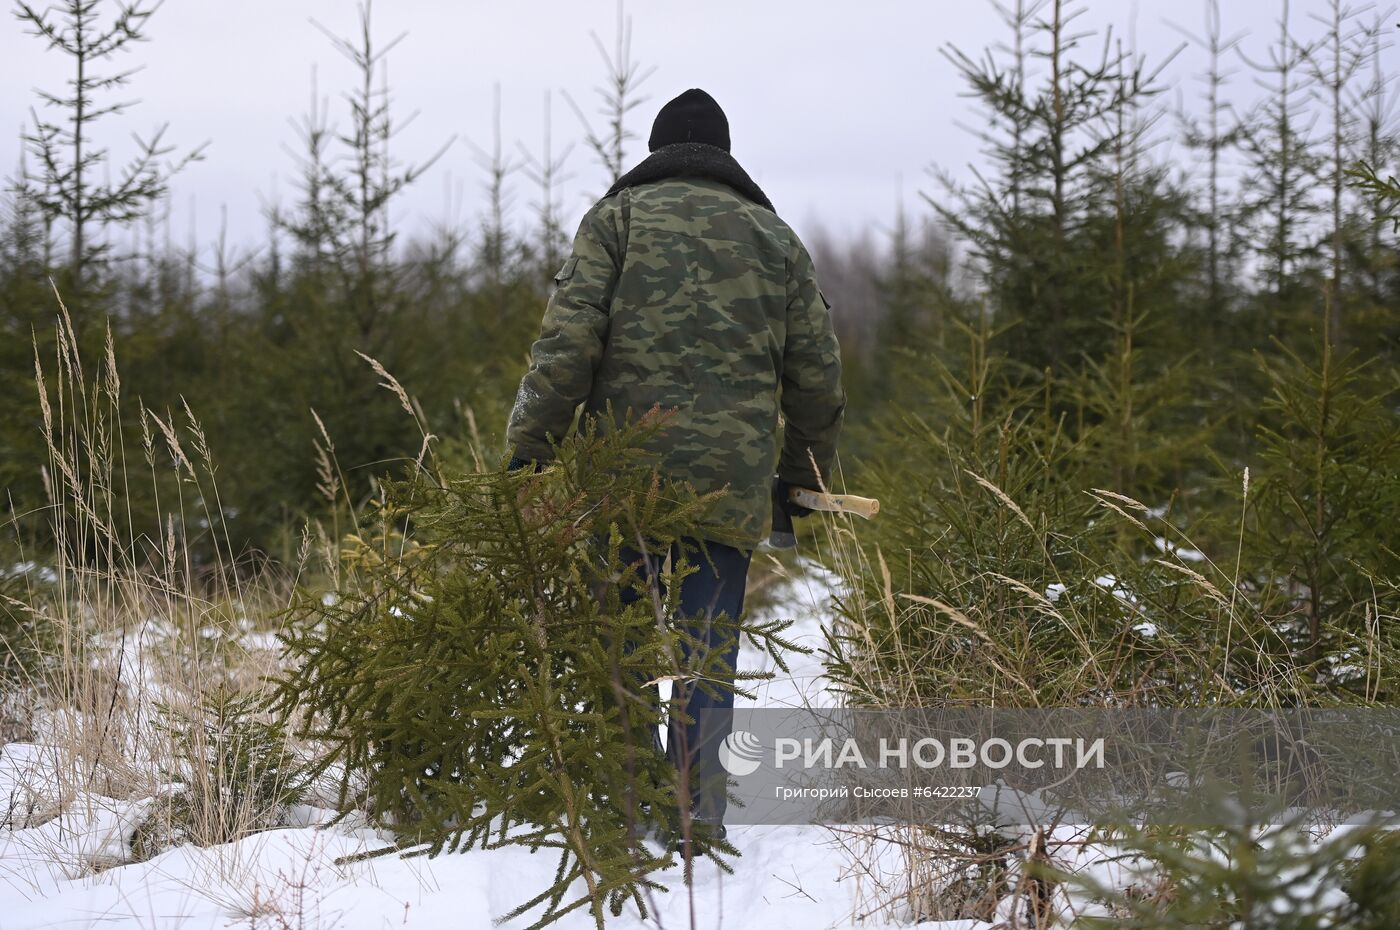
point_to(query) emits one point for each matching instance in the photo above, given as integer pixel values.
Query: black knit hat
(692, 117)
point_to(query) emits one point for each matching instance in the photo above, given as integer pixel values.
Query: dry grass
(142, 630)
(991, 626)
(290, 900)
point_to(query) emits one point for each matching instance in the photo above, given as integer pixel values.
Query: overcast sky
(836, 107)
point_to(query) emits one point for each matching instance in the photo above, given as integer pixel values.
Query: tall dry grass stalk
(142, 635)
(1210, 640)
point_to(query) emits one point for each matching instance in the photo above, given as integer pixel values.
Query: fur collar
(693, 159)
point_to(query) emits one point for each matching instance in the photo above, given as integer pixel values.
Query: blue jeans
(716, 588)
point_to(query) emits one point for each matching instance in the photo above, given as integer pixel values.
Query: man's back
(685, 294)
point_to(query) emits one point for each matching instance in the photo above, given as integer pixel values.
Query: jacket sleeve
(572, 336)
(813, 400)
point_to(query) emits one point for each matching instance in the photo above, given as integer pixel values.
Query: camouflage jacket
(682, 293)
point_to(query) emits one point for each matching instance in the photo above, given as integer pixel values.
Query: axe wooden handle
(866, 507)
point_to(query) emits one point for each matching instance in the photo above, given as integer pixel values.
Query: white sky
(836, 107)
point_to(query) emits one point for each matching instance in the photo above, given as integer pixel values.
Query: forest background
(1159, 284)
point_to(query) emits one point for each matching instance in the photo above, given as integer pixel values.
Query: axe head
(782, 535)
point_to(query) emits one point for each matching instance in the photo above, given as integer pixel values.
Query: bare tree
(312, 226)
(26, 237)
(1376, 109)
(1215, 138)
(1334, 64)
(375, 178)
(1282, 160)
(547, 173)
(68, 156)
(498, 166)
(619, 98)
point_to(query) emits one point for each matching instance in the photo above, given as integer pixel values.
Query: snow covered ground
(71, 870)
(787, 877)
(65, 861)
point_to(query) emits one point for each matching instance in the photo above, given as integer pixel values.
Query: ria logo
(740, 753)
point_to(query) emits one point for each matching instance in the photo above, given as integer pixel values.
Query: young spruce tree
(481, 677)
(70, 159)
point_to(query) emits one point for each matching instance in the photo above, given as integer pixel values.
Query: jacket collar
(693, 159)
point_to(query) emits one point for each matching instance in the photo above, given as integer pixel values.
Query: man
(686, 291)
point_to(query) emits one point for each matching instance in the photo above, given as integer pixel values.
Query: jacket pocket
(566, 272)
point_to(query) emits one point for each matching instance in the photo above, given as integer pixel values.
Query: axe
(783, 537)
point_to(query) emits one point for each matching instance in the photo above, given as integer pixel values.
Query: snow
(65, 861)
(1110, 583)
(787, 877)
(803, 598)
(70, 868)
(1185, 553)
(43, 573)
(1115, 587)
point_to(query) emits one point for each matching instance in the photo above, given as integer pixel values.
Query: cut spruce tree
(481, 680)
